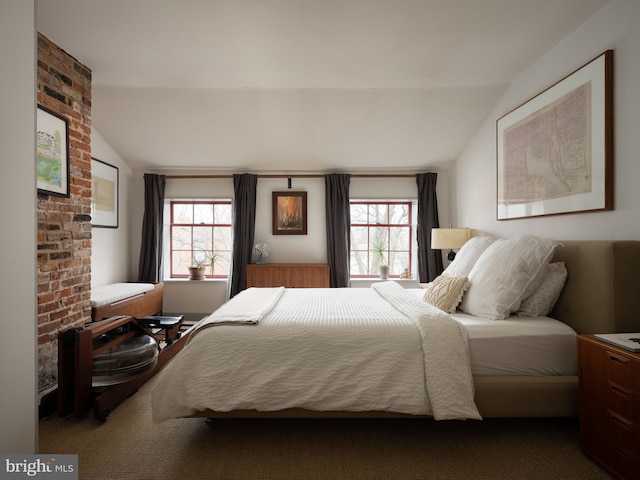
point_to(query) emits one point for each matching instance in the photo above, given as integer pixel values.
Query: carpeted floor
(130, 446)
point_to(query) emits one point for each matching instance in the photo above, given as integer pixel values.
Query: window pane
(399, 238)
(399, 214)
(182, 213)
(202, 238)
(359, 214)
(180, 263)
(222, 213)
(222, 264)
(203, 214)
(359, 263)
(359, 238)
(181, 238)
(375, 260)
(222, 238)
(398, 262)
(379, 238)
(378, 214)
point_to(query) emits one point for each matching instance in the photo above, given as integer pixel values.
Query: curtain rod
(310, 175)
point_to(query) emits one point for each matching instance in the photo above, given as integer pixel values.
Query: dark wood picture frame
(555, 151)
(52, 153)
(105, 186)
(289, 213)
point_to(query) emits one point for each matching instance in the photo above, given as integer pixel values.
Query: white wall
(617, 27)
(183, 296)
(18, 365)
(310, 248)
(111, 249)
(268, 129)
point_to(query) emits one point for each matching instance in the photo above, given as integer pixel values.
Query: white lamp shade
(443, 238)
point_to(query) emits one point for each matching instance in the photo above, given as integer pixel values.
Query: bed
(264, 355)
(131, 298)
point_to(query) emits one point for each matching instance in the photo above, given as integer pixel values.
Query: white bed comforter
(377, 349)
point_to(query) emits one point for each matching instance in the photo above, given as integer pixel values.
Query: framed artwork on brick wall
(52, 153)
(104, 194)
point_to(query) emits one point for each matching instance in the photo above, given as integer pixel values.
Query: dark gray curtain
(429, 261)
(150, 266)
(338, 227)
(244, 223)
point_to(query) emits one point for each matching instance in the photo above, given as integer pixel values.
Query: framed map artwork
(555, 152)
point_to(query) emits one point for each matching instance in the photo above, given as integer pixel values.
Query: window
(200, 231)
(381, 233)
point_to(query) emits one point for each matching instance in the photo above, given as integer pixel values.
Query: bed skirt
(496, 397)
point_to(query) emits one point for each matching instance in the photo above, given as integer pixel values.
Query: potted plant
(197, 268)
(200, 263)
(378, 251)
(210, 259)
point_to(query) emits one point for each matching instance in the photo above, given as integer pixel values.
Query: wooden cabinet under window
(609, 380)
(290, 275)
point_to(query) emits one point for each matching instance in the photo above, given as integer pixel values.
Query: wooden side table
(609, 383)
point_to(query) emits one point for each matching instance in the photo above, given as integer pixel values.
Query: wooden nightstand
(609, 379)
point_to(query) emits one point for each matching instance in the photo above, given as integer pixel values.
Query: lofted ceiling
(301, 85)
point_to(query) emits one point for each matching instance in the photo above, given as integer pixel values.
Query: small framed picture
(52, 153)
(104, 194)
(289, 213)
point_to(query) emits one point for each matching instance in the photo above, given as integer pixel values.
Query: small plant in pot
(378, 252)
(197, 268)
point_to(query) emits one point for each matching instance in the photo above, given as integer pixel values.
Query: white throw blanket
(322, 349)
(446, 354)
(249, 307)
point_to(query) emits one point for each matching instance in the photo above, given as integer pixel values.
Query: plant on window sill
(378, 250)
(200, 264)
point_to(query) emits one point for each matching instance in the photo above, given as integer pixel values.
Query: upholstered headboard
(602, 292)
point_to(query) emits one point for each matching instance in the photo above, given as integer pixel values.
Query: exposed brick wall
(64, 224)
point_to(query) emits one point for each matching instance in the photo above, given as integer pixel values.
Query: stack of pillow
(494, 278)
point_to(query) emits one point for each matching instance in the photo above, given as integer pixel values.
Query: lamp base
(451, 255)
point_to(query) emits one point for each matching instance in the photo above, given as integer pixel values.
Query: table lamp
(443, 238)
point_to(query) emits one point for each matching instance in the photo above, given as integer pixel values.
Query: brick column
(64, 224)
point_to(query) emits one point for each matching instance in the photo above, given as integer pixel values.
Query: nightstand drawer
(609, 380)
(617, 398)
(619, 368)
(624, 464)
(608, 430)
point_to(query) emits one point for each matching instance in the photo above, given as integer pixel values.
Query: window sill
(182, 280)
(367, 282)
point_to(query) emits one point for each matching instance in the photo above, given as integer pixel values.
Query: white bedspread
(375, 349)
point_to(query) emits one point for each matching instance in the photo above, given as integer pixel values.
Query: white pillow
(446, 292)
(542, 301)
(468, 255)
(503, 273)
